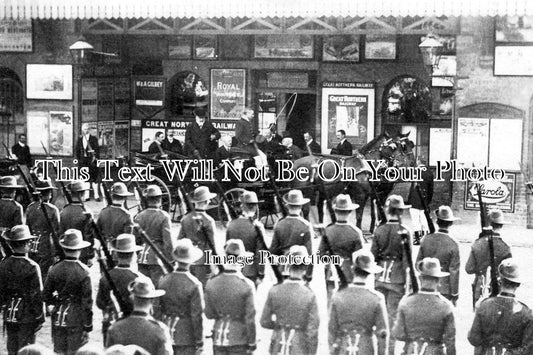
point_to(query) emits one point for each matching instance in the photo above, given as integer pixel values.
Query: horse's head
(397, 151)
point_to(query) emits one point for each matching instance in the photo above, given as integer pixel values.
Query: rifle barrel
(167, 264)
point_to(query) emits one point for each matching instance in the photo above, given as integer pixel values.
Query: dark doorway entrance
(301, 118)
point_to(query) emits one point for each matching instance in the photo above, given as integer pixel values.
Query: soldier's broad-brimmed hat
(186, 252)
(132, 349)
(344, 203)
(153, 191)
(250, 197)
(201, 194)
(508, 270)
(298, 250)
(295, 198)
(496, 216)
(43, 185)
(19, 233)
(143, 287)
(364, 260)
(120, 189)
(78, 186)
(396, 201)
(445, 213)
(9, 182)
(125, 243)
(73, 240)
(236, 247)
(431, 267)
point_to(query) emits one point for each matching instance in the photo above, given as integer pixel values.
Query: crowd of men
(154, 295)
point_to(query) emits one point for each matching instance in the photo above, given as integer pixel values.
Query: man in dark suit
(244, 132)
(156, 147)
(344, 147)
(87, 152)
(22, 151)
(172, 144)
(201, 136)
(311, 145)
(292, 151)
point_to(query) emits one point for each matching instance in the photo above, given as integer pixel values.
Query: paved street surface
(521, 241)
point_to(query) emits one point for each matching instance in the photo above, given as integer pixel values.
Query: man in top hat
(140, 328)
(246, 229)
(122, 275)
(156, 223)
(68, 289)
(390, 255)
(443, 246)
(200, 228)
(11, 213)
(343, 238)
(479, 261)
(172, 144)
(503, 324)
(45, 247)
(201, 137)
(229, 300)
(114, 220)
(425, 320)
(87, 152)
(21, 289)
(181, 308)
(244, 132)
(344, 147)
(358, 313)
(75, 216)
(291, 310)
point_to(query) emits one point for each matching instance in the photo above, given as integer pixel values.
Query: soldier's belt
(390, 257)
(226, 317)
(429, 341)
(347, 330)
(288, 326)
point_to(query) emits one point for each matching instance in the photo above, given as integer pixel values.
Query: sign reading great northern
(227, 93)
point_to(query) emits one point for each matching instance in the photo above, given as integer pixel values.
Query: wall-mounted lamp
(431, 52)
(81, 47)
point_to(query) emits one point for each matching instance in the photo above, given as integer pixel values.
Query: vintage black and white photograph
(253, 177)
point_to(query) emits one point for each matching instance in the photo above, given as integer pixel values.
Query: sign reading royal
(499, 193)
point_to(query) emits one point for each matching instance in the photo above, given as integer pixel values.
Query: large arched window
(11, 104)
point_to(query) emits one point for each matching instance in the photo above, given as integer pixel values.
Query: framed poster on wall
(228, 90)
(49, 81)
(16, 36)
(349, 106)
(54, 130)
(513, 60)
(472, 141)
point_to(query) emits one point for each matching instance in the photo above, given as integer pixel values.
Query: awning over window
(93, 9)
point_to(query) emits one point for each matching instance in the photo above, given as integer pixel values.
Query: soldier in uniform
(425, 320)
(358, 313)
(502, 324)
(22, 301)
(343, 238)
(229, 300)
(11, 213)
(182, 306)
(68, 289)
(114, 220)
(443, 246)
(478, 262)
(75, 216)
(199, 227)
(291, 310)
(389, 253)
(245, 228)
(156, 223)
(140, 328)
(45, 247)
(122, 275)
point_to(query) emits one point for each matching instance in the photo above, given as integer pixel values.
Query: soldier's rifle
(118, 304)
(28, 188)
(427, 214)
(167, 265)
(275, 268)
(406, 243)
(486, 230)
(66, 192)
(98, 234)
(202, 229)
(272, 180)
(138, 188)
(343, 282)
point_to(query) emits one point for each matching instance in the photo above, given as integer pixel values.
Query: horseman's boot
(417, 237)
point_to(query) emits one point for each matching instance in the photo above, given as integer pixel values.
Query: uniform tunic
(296, 322)
(11, 214)
(479, 259)
(289, 231)
(426, 319)
(122, 276)
(242, 228)
(114, 220)
(358, 310)
(73, 216)
(44, 248)
(142, 330)
(502, 322)
(21, 294)
(181, 308)
(442, 246)
(229, 299)
(200, 237)
(344, 239)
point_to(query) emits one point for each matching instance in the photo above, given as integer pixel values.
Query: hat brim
(401, 207)
(449, 219)
(500, 222)
(439, 274)
(134, 249)
(21, 239)
(126, 194)
(518, 280)
(46, 188)
(351, 207)
(194, 255)
(84, 244)
(302, 202)
(245, 254)
(79, 190)
(374, 269)
(209, 196)
(152, 294)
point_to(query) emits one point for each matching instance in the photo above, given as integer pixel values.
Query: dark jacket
(174, 147)
(113, 221)
(314, 147)
(389, 253)
(200, 237)
(344, 148)
(23, 154)
(82, 153)
(244, 133)
(122, 276)
(45, 247)
(242, 228)
(73, 216)
(156, 223)
(199, 139)
(426, 188)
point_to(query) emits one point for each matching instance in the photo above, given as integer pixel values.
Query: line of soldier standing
(375, 309)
